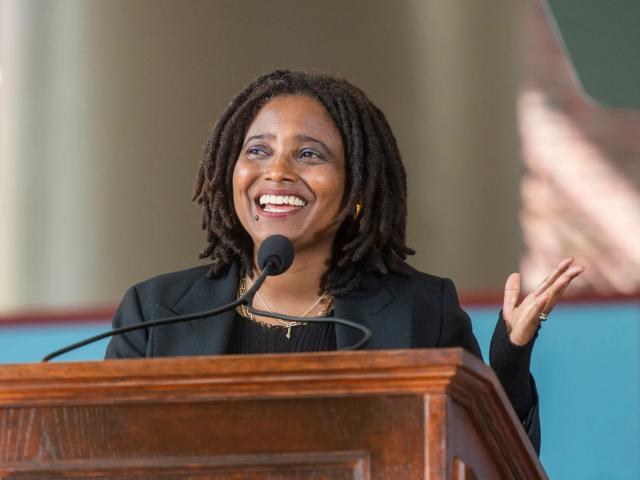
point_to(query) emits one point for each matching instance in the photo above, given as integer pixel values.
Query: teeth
(282, 200)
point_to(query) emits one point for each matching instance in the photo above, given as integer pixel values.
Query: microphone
(275, 256)
(278, 250)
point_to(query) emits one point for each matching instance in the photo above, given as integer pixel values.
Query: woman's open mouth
(279, 204)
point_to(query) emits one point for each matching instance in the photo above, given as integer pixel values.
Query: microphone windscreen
(278, 250)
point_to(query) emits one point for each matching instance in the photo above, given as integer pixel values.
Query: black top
(250, 336)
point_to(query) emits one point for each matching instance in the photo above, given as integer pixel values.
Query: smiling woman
(309, 156)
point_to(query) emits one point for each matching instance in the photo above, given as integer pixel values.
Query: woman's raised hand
(523, 320)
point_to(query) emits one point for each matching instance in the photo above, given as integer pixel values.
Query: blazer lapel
(205, 336)
(375, 307)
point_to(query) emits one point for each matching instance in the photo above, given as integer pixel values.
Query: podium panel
(414, 414)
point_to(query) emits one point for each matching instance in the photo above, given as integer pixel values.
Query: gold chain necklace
(247, 314)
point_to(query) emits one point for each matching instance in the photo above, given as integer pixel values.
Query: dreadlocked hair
(376, 178)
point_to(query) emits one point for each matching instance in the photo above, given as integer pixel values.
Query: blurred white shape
(575, 202)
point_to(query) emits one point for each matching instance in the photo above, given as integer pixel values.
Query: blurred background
(105, 107)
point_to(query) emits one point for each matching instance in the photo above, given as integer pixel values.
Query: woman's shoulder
(172, 285)
(416, 280)
(189, 275)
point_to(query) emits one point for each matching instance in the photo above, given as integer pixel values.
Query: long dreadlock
(375, 241)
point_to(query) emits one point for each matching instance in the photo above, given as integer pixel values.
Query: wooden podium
(395, 414)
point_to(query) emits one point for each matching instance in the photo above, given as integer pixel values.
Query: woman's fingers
(511, 293)
(560, 285)
(555, 291)
(553, 276)
(552, 300)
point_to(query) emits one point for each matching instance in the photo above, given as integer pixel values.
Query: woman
(310, 157)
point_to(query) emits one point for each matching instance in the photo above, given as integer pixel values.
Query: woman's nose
(279, 169)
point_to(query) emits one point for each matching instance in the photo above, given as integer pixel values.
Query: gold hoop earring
(358, 208)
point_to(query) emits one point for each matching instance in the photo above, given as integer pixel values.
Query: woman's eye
(310, 154)
(256, 151)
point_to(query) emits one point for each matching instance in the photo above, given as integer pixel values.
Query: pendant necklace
(247, 313)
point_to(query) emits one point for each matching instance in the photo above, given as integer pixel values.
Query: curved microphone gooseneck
(275, 256)
(340, 321)
(247, 297)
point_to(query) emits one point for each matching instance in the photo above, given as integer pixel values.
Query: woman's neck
(293, 292)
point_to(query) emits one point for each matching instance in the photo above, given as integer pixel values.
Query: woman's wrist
(512, 364)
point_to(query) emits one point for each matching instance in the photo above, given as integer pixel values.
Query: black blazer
(420, 311)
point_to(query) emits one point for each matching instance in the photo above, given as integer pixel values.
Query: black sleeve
(510, 362)
(512, 366)
(131, 344)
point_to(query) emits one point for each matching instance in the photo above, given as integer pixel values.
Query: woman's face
(291, 174)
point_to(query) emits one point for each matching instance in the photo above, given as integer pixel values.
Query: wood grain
(275, 466)
(411, 413)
